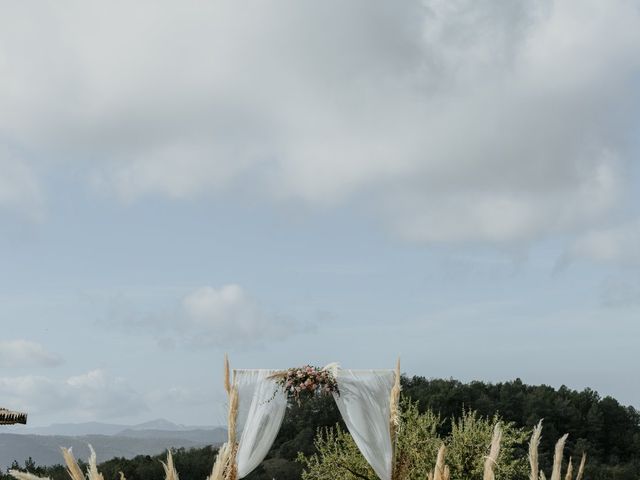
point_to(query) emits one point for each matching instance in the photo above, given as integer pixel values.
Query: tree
(337, 456)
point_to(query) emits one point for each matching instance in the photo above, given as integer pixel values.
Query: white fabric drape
(364, 405)
(260, 415)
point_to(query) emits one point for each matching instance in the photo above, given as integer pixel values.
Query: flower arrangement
(307, 380)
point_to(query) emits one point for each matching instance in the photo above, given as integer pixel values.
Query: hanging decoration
(306, 381)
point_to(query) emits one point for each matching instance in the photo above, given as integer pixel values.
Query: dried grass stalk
(394, 412)
(569, 474)
(72, 465)
(231, 470)
(233, 415)
(492, 459)
(221, 464)
(25, 475)
(122, 477)
(583, 461)
(394, 401)
(542, 475)
(227, 381)
(534, 444)
(225, 465)
(438, 471)
(170, 472)
(92, 469)
(556, 473)
(231, 473)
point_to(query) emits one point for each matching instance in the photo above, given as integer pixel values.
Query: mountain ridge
(102, 428)
(128, 442)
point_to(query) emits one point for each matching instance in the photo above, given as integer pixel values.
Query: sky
(452, 182)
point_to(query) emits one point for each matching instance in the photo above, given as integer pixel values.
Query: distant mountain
(45, 449)
(206, 437)
(72, 429)
(99, 428)
(166, 425)
(158, 424)
(109, 440)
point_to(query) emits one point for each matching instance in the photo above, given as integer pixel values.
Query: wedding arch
(367, 401)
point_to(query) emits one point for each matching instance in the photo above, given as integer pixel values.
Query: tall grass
(441, 470)
(556, 471)
(533, 451)
(170, 472)
(494, 450)
(225, 468)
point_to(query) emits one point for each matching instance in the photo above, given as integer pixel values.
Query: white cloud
(24, 353)
(92, 395)
(225, 316)
(618, 245)
(453, 120)
(229, 316)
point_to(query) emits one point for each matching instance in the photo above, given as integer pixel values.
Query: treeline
(607, 431)
(193, 463)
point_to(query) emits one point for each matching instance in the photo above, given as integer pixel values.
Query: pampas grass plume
(25, 475)
(494, 451)
(170, 472)
(227, 380)
(72, 465)
(220, 465)
(92, 469)
(534, 443)
(557, 458)
(438, 472)
(569, 474)
(581, 467)
(394, 401)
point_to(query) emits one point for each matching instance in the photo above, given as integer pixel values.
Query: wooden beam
(7, 417)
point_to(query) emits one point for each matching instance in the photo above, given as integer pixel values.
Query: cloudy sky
(452, 181)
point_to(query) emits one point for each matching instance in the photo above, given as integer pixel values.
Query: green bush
(467, 445)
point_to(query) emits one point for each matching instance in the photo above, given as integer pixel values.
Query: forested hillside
(606, 430)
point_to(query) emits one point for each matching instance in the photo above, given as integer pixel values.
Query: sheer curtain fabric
(260, 415)
(364, 405)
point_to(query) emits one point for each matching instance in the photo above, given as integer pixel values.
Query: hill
(101, 428)
(45, 449)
